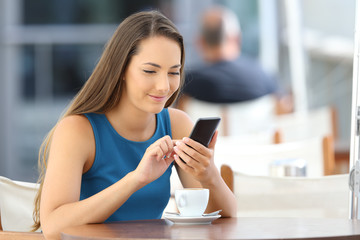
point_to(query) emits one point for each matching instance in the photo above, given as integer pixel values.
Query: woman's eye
(148, 71)
(174, 73)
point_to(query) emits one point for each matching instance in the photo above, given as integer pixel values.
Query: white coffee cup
(192, 202)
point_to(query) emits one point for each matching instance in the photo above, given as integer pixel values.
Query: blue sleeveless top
(115, 157)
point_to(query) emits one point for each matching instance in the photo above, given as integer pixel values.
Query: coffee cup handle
(182, 201)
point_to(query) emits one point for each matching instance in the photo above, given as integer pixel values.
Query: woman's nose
(162, 84)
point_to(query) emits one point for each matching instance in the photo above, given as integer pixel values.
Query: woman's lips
(158, 98)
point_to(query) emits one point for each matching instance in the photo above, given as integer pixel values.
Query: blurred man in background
(227, 77)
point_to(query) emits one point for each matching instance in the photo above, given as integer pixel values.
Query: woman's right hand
(157, 158)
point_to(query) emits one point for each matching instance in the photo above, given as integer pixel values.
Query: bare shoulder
(181, 124)
(73, 134)
(72, 140)
(74, 125)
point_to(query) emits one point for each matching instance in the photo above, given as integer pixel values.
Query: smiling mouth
(158, 98)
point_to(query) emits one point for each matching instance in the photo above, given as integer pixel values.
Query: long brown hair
(102, 90)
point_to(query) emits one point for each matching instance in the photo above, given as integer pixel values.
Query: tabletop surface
(222, 228)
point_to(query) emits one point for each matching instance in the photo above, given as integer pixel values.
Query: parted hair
(102, 91)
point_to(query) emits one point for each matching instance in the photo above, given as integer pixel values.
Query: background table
(223, 228)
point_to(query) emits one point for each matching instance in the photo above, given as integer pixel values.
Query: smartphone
(204, 130)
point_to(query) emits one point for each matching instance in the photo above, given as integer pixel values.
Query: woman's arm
(71, 154)
(200, 170)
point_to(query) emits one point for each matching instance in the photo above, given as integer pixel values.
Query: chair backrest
(256, 159)
(264, 196)
(250, 117)
(237, 118)
(316, 122)
(17, 204)
(269, 136)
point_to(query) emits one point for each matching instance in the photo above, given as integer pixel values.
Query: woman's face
(153, 74)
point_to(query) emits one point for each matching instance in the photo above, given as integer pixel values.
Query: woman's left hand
(196, 159)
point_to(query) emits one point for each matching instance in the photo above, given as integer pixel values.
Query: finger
(163, 144)
(169, 160)
(164, 147)
(159, 154)
(188, 160)
(181, 154)
(169, 145)
(191, 152)
(174, 141)
(198, 147)
(182, 164)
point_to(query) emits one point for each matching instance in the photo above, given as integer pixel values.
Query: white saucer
(191, 220)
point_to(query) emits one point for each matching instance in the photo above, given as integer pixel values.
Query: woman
(109, 158)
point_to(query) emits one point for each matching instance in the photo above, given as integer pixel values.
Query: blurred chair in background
(248, 117)
(17, 205)
(257, 159)
(322, 121)
(316, 122)
(270, 136)
(303, 197)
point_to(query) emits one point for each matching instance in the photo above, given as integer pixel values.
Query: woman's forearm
(221, 197)
(94, 209)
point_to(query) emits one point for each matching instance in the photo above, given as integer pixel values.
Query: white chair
(302, 197)
(250, 117)
(269, 136)
(237, 118)
(17, 204)
(298, 126)
(256, 159)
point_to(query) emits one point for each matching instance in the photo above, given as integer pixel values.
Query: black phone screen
(204, 129)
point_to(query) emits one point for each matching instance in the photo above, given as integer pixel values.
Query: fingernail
(186, 139)
(178, 143)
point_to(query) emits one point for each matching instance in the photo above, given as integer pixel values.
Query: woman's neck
(132, 124)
